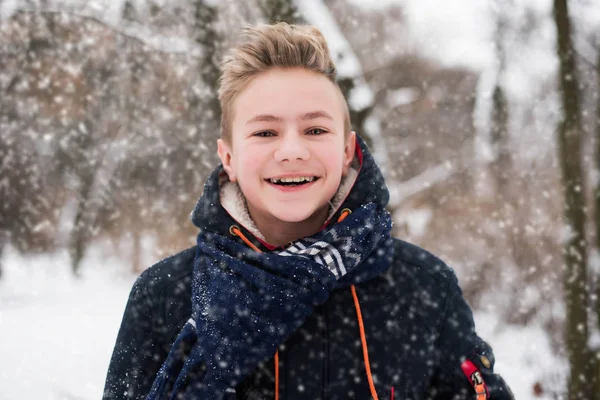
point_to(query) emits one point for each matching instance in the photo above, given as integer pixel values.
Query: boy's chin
(296, 215)
(292, 216)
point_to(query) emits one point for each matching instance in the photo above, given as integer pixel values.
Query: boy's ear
(225, 154)
(349, 150)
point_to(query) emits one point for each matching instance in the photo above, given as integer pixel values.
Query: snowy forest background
(484, 116)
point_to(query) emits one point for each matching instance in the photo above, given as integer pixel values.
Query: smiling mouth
(295, 181)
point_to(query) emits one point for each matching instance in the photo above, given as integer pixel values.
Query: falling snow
(108, 134)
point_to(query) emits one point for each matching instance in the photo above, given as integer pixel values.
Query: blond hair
(273, 46)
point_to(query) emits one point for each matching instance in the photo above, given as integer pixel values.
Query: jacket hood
(210, 214)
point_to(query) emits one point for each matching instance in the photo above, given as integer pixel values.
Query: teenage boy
(296, 288)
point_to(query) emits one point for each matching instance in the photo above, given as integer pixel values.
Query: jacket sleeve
(457, 342)
(139, 350)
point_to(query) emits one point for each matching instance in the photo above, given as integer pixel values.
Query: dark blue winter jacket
(418, 327)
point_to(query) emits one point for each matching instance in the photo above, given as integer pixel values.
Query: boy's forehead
(293, 93)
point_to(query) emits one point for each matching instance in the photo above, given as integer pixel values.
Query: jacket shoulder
(160, 276)
(422, 283)
(422, 265)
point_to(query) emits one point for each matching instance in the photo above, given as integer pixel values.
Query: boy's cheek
(248, 168)
(252, 158)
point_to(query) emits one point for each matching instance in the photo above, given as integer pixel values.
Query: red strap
(475, 379)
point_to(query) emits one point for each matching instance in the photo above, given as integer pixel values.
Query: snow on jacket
(419, 331)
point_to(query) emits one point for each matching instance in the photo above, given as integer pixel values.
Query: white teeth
(293, 179)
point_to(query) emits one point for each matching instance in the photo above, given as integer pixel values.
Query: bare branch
(135, 32)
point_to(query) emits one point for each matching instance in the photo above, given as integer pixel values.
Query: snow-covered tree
(575, 244)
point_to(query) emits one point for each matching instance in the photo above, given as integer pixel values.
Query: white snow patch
(403, 96)
(361, 97)
(415, 220)
(317, 13)
(375, 5)
(594, 339)
(524, 356)
(58, 332)
(8, 8)
(399, 192)
(455, 32)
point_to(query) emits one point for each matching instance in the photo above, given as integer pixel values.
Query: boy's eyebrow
(264, 118)
(273, 118)
(315, 115)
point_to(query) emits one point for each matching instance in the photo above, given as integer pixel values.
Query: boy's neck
(279, 233)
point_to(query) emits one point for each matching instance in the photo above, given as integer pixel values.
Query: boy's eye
(316, 131)
(264, 134)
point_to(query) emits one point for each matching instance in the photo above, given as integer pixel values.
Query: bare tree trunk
(597, 183)
(597, 208)
(501, 166)
(280, 11)
(137, 252)
(128, 11)
(207, 37)
(79, 234)
(499, 130)
(582, 375)
(2, 244)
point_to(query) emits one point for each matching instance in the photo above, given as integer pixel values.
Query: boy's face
(288, 123)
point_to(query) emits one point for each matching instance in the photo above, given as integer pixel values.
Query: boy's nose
(291, 148)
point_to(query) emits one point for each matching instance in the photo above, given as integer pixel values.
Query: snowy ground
(57, 332)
